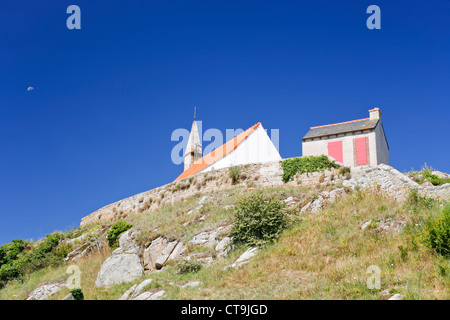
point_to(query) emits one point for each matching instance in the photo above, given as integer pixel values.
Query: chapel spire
(194, 145)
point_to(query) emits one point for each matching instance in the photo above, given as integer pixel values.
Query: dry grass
(324, 255)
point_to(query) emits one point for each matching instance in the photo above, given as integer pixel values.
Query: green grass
(321, 255)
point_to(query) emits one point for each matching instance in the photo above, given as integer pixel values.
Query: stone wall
(268, 174)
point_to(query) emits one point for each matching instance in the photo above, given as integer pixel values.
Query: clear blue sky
(97, 126)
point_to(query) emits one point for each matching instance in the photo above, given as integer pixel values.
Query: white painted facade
(319, 146)
(378, 149)
(257, 148)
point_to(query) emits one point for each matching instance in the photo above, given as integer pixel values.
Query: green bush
(258, 220)
(437, 232)
(434, 179)
(116, 230)
(305, 164)
(46, 253)
(188, 266)
(77, 294)
(235, 174)
(10, 251)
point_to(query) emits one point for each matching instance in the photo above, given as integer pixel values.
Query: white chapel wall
(257, 148)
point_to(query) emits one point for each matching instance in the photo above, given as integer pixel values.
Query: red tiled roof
(217, 154)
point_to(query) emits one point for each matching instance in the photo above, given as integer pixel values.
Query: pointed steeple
(194, 146)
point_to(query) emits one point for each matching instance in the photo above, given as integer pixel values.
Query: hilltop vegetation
(318, 256)
(325, 253)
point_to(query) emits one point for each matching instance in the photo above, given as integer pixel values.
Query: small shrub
(188, 266)
(116, 230)
(259, 219)
(416, 201)
(235, 174)
(344, 170)
(437, 232)
(17, 261)
(77, 294)
(305, 164)
(403, 253)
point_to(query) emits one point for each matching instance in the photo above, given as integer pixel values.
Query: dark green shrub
(437, 232)
(258, 220)
(21, 262)
(306, 164)
(188, 266)
(235, 174)
(77, 294)
(116, 230)
(10, 251)
(344, 170)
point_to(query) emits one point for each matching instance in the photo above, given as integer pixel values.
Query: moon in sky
(30, 88)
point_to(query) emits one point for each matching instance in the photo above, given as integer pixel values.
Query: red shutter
(335, 150)
(361, 151)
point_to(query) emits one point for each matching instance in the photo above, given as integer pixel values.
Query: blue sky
(107, 98)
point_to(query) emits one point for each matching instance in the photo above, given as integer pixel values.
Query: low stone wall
(262, 175)
(268, 174)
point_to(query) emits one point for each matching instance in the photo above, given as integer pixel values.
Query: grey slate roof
(338, 128)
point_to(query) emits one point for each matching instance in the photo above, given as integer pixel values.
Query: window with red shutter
(361, 151)
(335, 150)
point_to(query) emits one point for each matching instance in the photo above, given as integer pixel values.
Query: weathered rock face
(135, 292)
(396, 296)
(124, 265)
(223, 246)
(392, 182)
(165, 253)
(69, 297)
(161, 251)
(152, 253)
(323, 198)
(150, 295)
(127, 242)
(244, 258)
(45, 291)
(121, 267)
(84, 244)
(441, 175)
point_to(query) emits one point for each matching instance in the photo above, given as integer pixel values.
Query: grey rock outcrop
(392, 182)
(223, 246)
(119, 268)
(68, 297)
(152, 253)
(135, 290)
(165, 254)
(160, 251)
(323, 198)
(396, 296)
(45, 291)
(244, 258)
(150, 295)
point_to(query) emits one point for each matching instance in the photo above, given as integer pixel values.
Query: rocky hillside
(394, 183)
(177, 241)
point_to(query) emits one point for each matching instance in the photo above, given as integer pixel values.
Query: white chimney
(375, 114)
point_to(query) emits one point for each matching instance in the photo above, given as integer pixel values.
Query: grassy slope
(322, 256)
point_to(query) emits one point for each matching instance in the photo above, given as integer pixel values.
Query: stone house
(352, 143)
